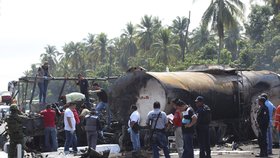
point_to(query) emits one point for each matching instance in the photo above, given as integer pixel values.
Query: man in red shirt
(78, 127)
(50, 128)
(177, 123)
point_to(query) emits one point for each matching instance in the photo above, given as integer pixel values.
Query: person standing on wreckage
(43, 81)
(83, 83)
(103, 101)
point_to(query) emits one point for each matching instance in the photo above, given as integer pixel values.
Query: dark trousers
(204, 141)
(92, 139)
(159, 140)
(262, 142)
(87, 102)
(13, 147)
(188, 145)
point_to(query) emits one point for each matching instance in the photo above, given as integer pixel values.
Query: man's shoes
(106, 153)
(261, 156)
(269, 153)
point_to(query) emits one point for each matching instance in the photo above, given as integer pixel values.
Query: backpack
(135, 127)
(206, 116)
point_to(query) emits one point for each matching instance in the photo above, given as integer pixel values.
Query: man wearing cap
(43, 81)
(271, 110)
(263, 122)
(92, 126)
(202, 127)
(50, 128)
(15, 130)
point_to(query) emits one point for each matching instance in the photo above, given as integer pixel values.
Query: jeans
(135, 139)
(160, 140)
(50, 139)
(269, 139)
(101, 106)
(104, 106)
(188, 145)
(179, 141)
(43, 86)
(279, 138)
(203, 141)
(71, 140)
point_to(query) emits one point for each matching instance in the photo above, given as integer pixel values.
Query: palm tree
(127, 41)
(91, 50)
(199, 38)
(74, 55)
(223, 14)
(147, 26)
(50, 55)
(275, 4)
(164, 48)
(232, 37)
(180, 27)
(129, 35)
(102, 42)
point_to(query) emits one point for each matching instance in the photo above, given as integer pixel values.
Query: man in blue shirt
(271, 110)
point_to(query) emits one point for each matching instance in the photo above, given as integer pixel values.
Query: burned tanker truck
(230, 93)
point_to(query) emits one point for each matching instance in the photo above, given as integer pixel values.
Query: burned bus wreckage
(230, 93)
(34, 125)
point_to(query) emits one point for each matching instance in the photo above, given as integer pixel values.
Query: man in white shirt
(133, 121)
(69, 127)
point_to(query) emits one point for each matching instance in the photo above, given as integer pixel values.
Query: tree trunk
(220, 48)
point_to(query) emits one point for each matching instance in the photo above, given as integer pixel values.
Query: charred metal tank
(230, 93)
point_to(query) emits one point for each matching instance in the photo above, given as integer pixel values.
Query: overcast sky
(27, 26)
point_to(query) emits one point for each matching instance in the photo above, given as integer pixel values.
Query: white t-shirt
(75, 96)
(69, 113)
(135, 116)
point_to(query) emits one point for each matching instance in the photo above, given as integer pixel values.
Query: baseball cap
(199, 99)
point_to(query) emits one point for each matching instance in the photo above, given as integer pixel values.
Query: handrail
(31, 78)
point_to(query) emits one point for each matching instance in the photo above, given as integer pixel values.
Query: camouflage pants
(13, 147)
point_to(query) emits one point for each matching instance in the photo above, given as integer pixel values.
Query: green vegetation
(253, 44)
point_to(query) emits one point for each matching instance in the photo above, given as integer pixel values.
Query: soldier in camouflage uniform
(15, 130)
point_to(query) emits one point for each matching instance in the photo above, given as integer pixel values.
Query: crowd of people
(88, 120)
(265, 115)
(184, 121)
